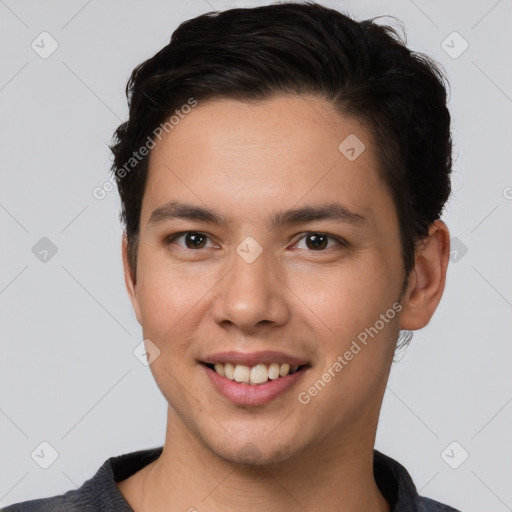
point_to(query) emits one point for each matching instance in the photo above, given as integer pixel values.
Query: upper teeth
(257, 374)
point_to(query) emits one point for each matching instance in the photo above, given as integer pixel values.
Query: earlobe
(427, 279)
(131, 286)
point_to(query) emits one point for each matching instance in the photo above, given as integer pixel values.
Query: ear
(427, 278)
(131, 287)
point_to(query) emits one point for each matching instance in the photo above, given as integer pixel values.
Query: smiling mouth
(257, 374)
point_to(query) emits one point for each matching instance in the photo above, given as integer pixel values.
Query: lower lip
(257, 394)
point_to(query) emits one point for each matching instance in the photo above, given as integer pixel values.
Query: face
(249, 284)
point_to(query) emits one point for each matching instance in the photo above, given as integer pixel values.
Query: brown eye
(195, 240)
(316, 241)
(320, 241)
(192, 240)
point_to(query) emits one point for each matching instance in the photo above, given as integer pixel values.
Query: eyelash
(169, 240)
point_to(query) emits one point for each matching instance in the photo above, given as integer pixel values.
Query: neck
(190, 477)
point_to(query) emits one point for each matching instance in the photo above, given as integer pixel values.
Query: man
(281, 200)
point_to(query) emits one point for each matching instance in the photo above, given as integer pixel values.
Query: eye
(314, 241)
(320, 241)
(192, 239)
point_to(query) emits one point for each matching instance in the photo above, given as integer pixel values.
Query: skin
(246, 161)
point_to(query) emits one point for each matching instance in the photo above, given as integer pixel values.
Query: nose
(251, 296)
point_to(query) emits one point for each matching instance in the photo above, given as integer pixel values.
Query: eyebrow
(332, 211)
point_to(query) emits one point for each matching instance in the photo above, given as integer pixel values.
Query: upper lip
(253, 358)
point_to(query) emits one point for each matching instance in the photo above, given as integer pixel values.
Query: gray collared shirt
(100, 493)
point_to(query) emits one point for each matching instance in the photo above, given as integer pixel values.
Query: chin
(256, 453)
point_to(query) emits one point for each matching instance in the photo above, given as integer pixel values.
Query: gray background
(68, 374)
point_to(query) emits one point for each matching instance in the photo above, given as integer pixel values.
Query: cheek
(170, 295)
(171, 305)
(348, 298)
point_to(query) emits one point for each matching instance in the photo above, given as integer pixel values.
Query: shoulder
(429, 505)
(398, 488)
(69, 501)
(97, 494)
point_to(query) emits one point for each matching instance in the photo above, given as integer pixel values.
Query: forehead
(273, 154)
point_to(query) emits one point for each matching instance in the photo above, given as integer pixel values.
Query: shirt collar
(392, 478)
